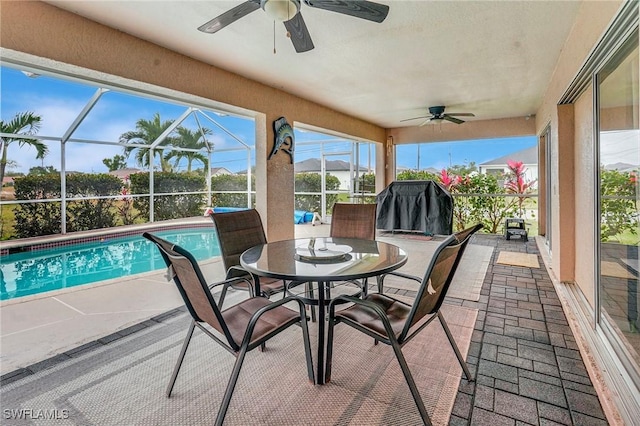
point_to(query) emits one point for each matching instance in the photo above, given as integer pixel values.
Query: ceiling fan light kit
(280, 10)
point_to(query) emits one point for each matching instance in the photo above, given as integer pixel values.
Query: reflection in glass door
(337, 179)
(619, 154)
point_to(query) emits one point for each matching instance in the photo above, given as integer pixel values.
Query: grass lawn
(7, 220)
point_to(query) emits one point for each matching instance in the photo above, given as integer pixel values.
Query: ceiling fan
(438, 114)
(288, 11)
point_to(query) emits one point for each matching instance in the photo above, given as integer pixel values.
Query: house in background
(499, 166)
(7, 181)
(621, 167)
(338, 168)
(124, 174)
(6, 193)
(219, 171)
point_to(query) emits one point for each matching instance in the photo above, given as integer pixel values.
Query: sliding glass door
(618, 191)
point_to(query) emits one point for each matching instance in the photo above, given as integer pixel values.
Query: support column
(543, 199)
(385, 158)
(563, 195)
(274, 183)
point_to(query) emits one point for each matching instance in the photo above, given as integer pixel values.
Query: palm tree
(147, 131)
(24, 123)
(192, 139)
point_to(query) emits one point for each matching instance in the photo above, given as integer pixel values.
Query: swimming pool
(34, 272)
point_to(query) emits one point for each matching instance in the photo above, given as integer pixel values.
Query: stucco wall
(591, 23)
(593, 19)
(563, 193)
(585, 195)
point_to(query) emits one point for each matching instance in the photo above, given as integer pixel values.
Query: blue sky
(59, 102)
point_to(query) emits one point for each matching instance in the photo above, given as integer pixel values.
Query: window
(619, 213)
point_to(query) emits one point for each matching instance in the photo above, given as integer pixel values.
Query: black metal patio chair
(238, 231)
(395, 322)
(354, 221)
(461, 236)
(349, 221)
(241, 327)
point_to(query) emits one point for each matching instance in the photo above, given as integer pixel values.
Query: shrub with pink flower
(449, 181)
(516, 182)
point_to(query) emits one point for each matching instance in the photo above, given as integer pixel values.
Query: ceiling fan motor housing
(436, 110)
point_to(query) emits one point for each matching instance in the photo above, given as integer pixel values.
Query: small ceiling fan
(288, 11)
(438, 114)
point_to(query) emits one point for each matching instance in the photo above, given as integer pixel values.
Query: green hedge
(169, 206)
(83, 215)
(36, 219)
(312, 182)
(44, 218)
(231, 183)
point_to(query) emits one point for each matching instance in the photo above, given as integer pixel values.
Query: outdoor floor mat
(514, 258)
(124, 382)
(614, 269)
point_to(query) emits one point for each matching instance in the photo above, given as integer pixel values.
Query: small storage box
(515, 226)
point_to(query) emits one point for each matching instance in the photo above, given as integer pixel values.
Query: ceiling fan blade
(415, 118)
(299, 33)
(462, 114)
(230, 16)
(424, 123)
(452, 119)
(368, 10)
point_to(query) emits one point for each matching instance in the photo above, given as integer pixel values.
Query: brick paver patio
(523, 354)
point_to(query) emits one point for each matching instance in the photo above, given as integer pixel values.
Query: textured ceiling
(492, 58)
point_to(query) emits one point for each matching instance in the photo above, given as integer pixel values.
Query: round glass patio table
(323, 260)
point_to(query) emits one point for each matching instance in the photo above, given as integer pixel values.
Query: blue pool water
(34, 272)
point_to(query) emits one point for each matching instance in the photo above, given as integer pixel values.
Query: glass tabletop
(323, 259)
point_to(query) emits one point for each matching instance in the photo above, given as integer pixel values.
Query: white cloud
(57, 115)
(620, 147)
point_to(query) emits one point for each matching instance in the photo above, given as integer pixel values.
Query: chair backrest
(237, 231)
(436, 281)
(353, 221)
(467, 233)
(186, 274)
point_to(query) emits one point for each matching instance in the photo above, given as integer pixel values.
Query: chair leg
(176, 369)
(380, 281)
(463, 364)
(412, 385)
(307, 344)
(311, 307)
(223, 294)
(327, 368)
(231, 386)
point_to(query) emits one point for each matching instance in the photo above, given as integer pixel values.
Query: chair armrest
(292, 284)
(229, 281)
(357, 301)
(397, 274)
(367, 304)
(239, 269)
(257, 314)
(407, 276)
